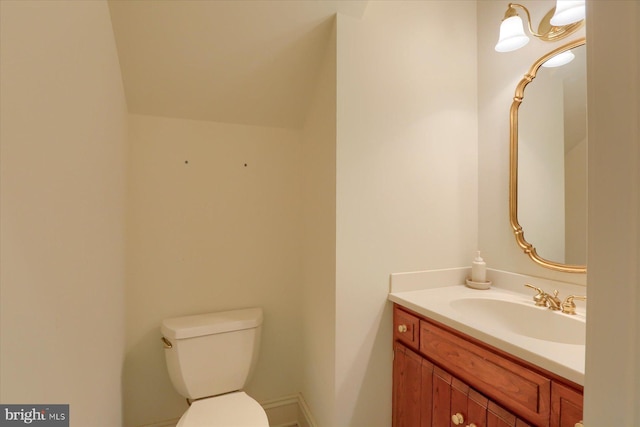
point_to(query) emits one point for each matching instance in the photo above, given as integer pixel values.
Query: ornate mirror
(547, 183)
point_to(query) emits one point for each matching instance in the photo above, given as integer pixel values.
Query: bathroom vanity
(454, 366)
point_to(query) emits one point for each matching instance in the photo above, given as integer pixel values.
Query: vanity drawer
(406, 328)
(517, 388)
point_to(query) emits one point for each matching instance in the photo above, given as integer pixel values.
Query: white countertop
(565, 360)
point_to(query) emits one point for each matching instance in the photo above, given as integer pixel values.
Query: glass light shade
(512, 35)
(568, 12)
(559, 60)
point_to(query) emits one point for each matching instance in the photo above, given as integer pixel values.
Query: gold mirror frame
(513, 166)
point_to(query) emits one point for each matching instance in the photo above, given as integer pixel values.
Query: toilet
(210, 358)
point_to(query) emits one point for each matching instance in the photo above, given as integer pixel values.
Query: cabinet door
(407, 385)
(426, 396)
(477, 409)
(455, 403)
(497, 416)
(459, 402)
(426, 405)
(566, 406)
(441, 406)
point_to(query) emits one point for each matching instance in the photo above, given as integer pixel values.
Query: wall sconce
(561, 21)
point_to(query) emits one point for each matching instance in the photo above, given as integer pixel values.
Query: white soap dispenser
(478, 274)
(478, 269)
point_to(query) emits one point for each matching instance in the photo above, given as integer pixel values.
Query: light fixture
(512, 36)
(568, 11)
(559, 60)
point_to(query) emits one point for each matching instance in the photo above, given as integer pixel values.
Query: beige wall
(498, 75)
(319, 260)
(63, 146)
(406, 177)
(612, 388)
(214, 224)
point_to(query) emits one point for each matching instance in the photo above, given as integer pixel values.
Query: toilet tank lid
(211, 323)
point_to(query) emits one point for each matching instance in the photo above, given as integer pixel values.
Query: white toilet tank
(211, 354)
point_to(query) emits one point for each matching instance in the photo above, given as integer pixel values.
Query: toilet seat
(229, 410)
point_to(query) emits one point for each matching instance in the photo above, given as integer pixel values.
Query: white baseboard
(286, 411)
(305, 419)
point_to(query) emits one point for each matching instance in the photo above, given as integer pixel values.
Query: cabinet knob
(579, 424)
(472, 425)
(402, 328)
(457, 418)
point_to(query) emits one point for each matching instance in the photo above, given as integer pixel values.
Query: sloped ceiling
(242, 61)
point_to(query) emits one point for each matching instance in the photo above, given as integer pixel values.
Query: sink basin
(523, 319)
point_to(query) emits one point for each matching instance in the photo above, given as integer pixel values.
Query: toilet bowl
(210, 358)
(229, 410)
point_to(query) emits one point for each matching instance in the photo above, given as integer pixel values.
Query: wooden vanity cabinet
(438, 373)
(425, 395)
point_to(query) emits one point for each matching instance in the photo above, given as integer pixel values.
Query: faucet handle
(568, 306)
(540, 298)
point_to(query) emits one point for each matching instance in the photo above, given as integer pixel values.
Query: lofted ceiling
(250, 62)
